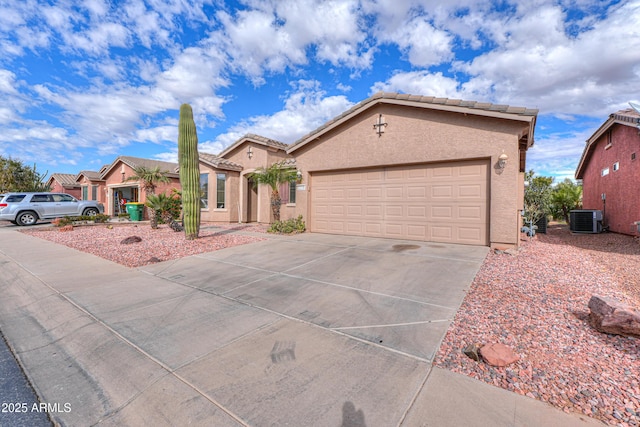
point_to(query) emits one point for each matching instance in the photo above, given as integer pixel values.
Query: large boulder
(614, 317)
(498, 354)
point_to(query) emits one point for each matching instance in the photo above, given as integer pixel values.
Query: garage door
(439, 202)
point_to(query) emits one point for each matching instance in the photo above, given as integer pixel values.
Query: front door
(252, 201)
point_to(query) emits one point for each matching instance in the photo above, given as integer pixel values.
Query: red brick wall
(622, 187)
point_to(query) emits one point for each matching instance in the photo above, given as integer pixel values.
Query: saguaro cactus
(189, 172)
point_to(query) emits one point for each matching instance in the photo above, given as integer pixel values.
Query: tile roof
(455, 105)
(64, 179)
(92, 175)
(219, 162)
(626, 117)
(258, 140)
(169, 167)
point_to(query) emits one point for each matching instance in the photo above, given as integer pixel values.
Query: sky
(84, 81)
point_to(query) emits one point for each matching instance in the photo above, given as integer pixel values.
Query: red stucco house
(64, 183)
(610, 166)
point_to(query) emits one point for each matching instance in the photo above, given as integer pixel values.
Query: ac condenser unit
(585, 221)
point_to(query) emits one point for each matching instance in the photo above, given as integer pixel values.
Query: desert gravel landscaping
(535, 301)
(161, 244)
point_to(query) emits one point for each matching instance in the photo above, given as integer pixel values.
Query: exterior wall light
(299, 175)
(502, 160)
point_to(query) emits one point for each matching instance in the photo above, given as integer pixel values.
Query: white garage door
(445, 202)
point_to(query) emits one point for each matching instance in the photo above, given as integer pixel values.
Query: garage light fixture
(502, 160)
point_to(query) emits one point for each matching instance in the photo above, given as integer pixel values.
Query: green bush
(99, 218)
(288, 227)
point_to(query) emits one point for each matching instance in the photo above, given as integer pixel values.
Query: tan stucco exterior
(415, 135)
(263, 155)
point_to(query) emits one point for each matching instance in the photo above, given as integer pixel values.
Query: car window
(39, 198)
(15, 198)
(62, 198)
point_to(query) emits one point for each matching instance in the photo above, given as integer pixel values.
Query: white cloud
(539, 65)
(305, 108)
(422, 42)
(421, 83)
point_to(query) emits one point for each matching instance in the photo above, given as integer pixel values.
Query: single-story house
(396, 166)
(119, 190)
(64, 183)
(610, 171)
(90, 184)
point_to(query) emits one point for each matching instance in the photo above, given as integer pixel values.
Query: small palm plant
(149, 178)
(273, 176)
(162, 205)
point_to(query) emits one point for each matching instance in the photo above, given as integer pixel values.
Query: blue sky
(83, 81)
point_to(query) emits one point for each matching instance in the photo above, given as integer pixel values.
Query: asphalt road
(19, 404)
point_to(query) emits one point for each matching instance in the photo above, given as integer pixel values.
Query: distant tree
(149, 179)
(273, 176)
(566, 196)
(537, 196)
(16, 176)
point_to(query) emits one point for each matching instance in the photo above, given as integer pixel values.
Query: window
(220, 190)
(94, 192)
(40, 198)
(605, 172)
(616, 166)
(85, 192)
(287, 192)
(292, 191)
(15, 199)
(204, 190)
(63, 198)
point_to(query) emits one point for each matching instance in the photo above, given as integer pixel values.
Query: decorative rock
(175, 225)
(498, 354)
(66, 228)
(614, 317)
(472, 351)
(131, 239)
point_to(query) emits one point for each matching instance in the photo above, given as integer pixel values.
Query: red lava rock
(66, 228)
(614, 317)
(497, 354)
(536, 302)
(162, 243)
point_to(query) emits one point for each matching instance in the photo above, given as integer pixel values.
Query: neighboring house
(92, 185)
(418, 168)
(64, 183)
(609, 169)
(118, 190)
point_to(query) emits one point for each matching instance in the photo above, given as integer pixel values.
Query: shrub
(67, 220)
(289, 226)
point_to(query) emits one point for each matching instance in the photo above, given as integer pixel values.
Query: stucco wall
(262, 157)
(230, 212)
(419, 135)
(622, 187)
(56, 187)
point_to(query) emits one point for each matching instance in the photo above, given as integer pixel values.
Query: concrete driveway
(312, 329)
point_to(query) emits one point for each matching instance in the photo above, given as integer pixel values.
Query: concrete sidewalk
(309, 330)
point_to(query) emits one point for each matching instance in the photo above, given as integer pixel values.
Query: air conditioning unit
(585, 221)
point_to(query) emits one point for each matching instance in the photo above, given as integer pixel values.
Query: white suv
(28, 208)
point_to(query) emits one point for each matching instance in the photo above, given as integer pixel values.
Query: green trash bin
(135, 211)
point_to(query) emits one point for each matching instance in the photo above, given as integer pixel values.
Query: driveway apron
(302, 330)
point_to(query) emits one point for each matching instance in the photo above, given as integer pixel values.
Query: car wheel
(27, 218)
(90, 212)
